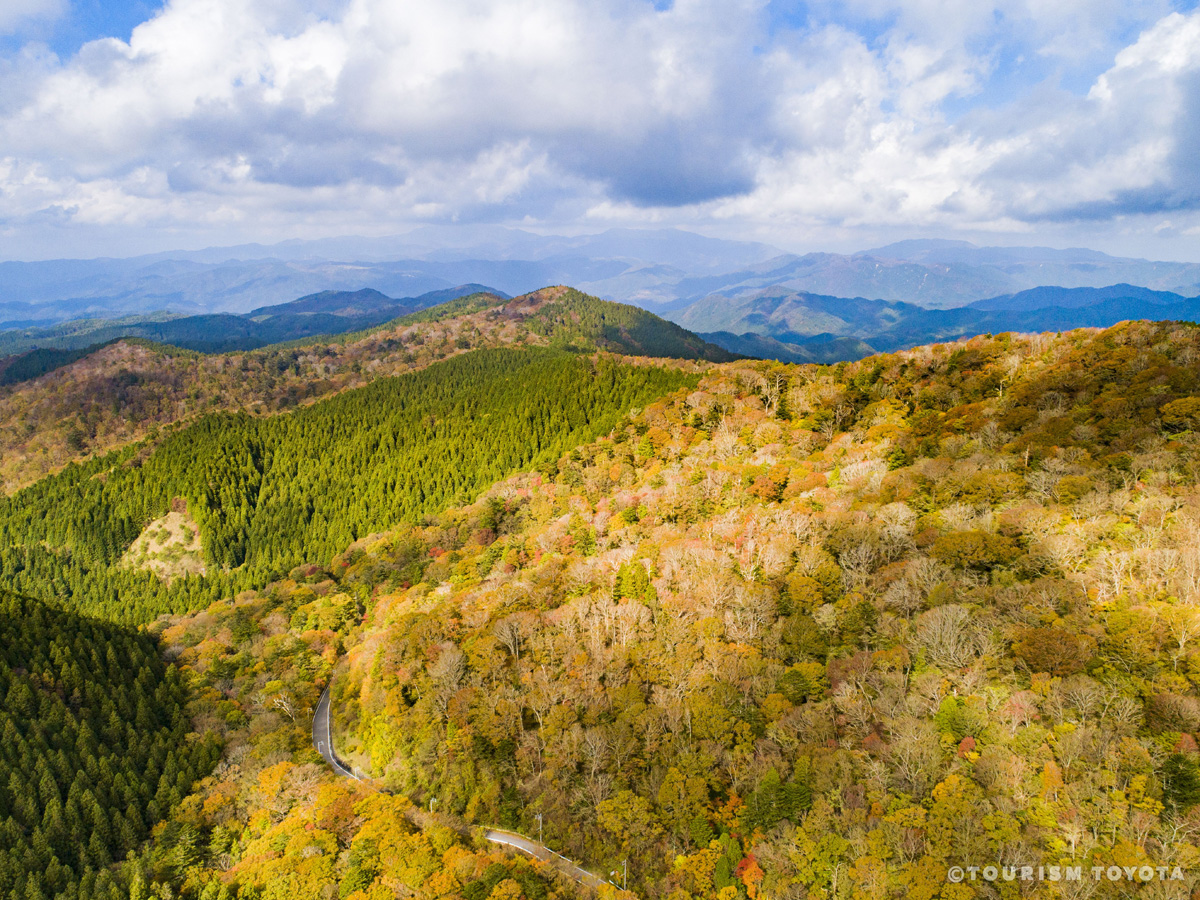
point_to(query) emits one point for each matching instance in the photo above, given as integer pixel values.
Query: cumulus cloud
(367, 114)
(1126, 147)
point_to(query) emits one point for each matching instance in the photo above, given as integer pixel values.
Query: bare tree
(1187, 575)
(857, 563)
(595, 746)
(1074, 830)
(1076, 746)
(284, 704)
(772, 388)
(1183, 624)
(1080, 693)
(914, 756)
(724, 440)
(902, 595)
(1119, 712)
(630, 617)
(508, 633)
(447, 673)
(950, 636)
(749, 611)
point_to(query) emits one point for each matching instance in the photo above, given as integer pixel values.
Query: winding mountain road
(322, 738)
(545, 854)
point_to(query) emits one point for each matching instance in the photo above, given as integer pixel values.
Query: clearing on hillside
(169, 546)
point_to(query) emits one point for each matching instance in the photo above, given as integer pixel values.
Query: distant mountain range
(243, 278)
(662, 270)
(795, 326)
(327, 312)
(773, 323)
(750, 298)
(940, 274)
(821, 348)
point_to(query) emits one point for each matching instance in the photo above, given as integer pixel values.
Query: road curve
(546, 855)
(322, 739)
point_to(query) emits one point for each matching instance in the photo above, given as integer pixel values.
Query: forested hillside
(575, 319)
(791, 632)
(784, 631)
(130, 390)
(822, 632)
(269, 493)
(95, 749)
(272, 822)
(323, 313)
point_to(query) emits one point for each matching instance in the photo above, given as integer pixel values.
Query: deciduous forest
(740, 629)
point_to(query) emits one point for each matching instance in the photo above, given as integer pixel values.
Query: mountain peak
(338, 303)
(914, 247)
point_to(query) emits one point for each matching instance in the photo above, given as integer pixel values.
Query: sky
(137, 126)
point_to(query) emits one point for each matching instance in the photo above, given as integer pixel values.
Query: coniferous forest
(94, 745)
(52, 412)
(270, 493)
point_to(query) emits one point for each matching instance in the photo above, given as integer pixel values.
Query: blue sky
(133, 126)
(65, 27)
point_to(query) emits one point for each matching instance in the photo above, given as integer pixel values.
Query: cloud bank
(277, 118)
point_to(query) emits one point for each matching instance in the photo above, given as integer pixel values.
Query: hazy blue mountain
(1029, 267)
(1077, 298)
(795, 326)
(663, 270)
(857, 276)
(827, 350)
(326, 312)
(779, 310)
(1098, 315)
(40, 295)
(954, 277)
(59, 290)
(964, 252)
(456, 243)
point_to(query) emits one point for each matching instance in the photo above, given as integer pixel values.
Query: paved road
(323, 741)
(545, 854)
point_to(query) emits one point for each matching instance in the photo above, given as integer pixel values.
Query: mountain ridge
(657, 269)
(310, 316)
(62, 406)
(798, 317)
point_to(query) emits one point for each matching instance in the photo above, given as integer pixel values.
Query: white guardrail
(322, 736)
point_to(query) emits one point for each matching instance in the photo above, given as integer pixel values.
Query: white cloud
(16, 13)
(368, 114)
